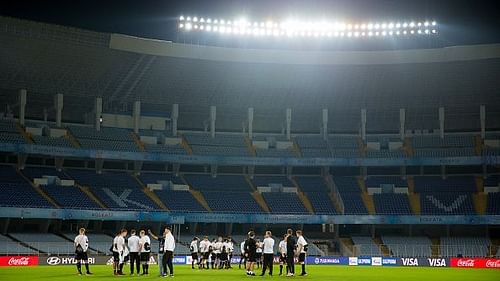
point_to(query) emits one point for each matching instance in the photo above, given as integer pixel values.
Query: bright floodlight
(293, 28)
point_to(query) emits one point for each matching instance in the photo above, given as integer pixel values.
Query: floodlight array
(295, 28)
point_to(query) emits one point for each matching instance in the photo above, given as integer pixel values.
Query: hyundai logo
(53, 260)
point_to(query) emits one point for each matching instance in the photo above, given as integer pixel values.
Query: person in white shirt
(282, 251)
(204, 250)
(145, 250)
(81, 247)
(119, 252)
(301, 251)
(168, 254)
(230, 251)
(268, 250)
(243, 257)
(258, 256)
(217, 251)
(134, 249)
(193, 248)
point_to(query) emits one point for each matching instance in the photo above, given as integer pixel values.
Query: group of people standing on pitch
(289, 248)
(137, 250)
(216, 254)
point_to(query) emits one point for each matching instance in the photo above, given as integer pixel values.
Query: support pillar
(288, 121)
(137, 116)
(482, 113)
(402, 121)
(59, 161)
(22, 106)
(363, 124)
(99, 163)
(250, 122)
(98, 113)
(324, 126)
(175, 117)
(59, 103)
(441, 122)
(213, 115)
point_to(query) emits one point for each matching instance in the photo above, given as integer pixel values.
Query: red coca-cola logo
(465, 263)
(18, 260)
(493, 263)
(475, 262)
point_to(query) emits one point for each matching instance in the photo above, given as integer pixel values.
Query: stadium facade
(108, 130)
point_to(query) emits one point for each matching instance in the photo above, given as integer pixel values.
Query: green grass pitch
(184, 272)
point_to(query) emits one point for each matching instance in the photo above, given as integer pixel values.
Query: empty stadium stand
(364, 246)
(403, 246)
(11, 247)
(16, 192)
(284, 203)
(117, 190)
(392, 204)
(46, 242)
(465, 246)
(317, 191)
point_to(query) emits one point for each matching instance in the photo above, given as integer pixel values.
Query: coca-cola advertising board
(18, 260)
(475, 262)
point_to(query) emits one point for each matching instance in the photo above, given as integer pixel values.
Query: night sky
(462, 21)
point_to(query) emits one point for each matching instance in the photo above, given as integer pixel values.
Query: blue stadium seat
(284, 203)
(392, 204)
(229, 183)
(493, 207)
(233, 202)
(117, 190)
(179, 201)
(449, 184)
(446, 203)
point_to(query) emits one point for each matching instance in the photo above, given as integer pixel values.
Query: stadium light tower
(310, 29)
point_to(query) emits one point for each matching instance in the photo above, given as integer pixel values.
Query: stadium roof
(462, 22)
(48, 59)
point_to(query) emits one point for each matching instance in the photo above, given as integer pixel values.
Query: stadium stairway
(367, 198)
(261, 201)
(22, 132)
(250, 147)
(436, 242)
(151, 194)
(369, 204)
(478, 145)
(39, 190)
(296, 149)
(196, 194)
(186, 146)
(414, 199)
(495, 244)
(138, 141)
(199, 197)
(302, 196)
(480, 203)
(408, 148)
(257, 196)
(362, 184)
(72, 139)
(86, 191)
(335, 197)
(348, 245)
(24, 244)
(383, 248)
(480, 184)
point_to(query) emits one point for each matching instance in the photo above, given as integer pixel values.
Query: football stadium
(243, 142)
